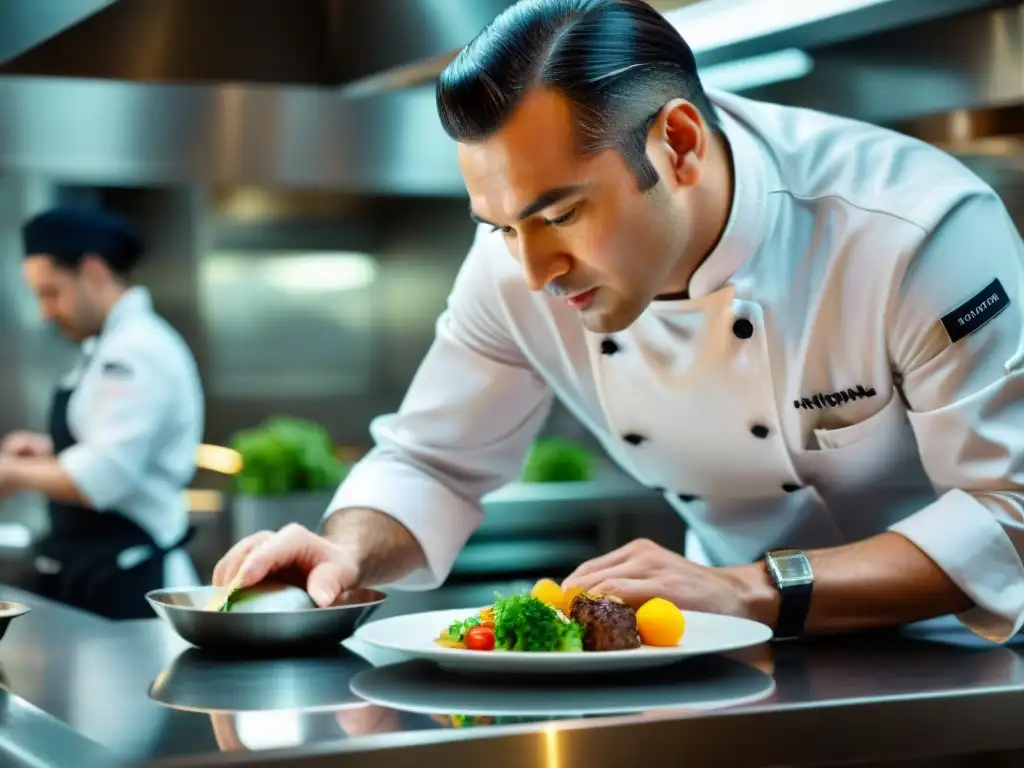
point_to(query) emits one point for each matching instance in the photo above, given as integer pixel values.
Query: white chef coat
(807, 394)
(137, 416)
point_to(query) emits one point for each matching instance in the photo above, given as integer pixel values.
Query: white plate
(414, 635)
(421, 688)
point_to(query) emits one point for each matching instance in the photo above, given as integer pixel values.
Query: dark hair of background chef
(68, 235)
(618, 61)
(121, 258)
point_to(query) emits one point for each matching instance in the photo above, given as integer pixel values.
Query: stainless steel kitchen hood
(339, 95)
(389, 43)
(24, 25)
(969, 62)
(288, 42)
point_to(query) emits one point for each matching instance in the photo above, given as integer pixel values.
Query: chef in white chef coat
(806, 330)
(124, 424)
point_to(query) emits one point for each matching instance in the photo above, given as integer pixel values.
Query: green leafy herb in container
(557, 460)
(286, 455)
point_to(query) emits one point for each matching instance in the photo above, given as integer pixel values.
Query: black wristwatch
(792, 575)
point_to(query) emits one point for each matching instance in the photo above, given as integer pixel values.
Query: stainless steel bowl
(8, 613)
(282, 631)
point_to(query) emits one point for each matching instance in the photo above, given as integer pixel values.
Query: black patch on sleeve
(117, 370)
(976, 311)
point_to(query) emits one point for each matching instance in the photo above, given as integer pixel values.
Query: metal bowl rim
(152, 596)
(14, 609)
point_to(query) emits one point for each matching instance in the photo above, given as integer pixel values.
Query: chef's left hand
(641, 570)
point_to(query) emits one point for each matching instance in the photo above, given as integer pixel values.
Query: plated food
(552, 620)
(426, 636)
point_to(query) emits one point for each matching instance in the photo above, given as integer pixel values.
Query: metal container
(251, 514)
(185, 610)
(8, 613)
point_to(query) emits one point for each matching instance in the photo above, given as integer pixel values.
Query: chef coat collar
(746, 226)
(135, 301)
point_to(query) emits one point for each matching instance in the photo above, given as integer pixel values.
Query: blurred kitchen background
(306, 216)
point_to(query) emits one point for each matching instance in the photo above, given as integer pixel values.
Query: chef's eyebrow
(481, 220)
(539, 203)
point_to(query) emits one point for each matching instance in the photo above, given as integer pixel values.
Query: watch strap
(794, 605)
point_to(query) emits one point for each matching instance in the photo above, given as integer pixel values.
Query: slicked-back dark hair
(618, 61)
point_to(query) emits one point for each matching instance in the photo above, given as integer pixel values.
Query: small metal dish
(8, 613)
(185, 610)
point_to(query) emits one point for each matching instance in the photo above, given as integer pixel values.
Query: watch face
(790, 567)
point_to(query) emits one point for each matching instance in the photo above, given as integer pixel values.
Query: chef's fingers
(327, 581)
(292, 548)
(634, 592)
(26, 445)
(227, 568)
(630, 569)
(598, 564)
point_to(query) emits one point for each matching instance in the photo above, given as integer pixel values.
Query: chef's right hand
(29, 445)
(293, 552)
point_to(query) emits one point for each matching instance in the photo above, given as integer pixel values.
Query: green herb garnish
(523, 623)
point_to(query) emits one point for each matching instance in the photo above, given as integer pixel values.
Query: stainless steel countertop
(133, 693)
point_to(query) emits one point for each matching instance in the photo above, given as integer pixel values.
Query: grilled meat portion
(608, 624)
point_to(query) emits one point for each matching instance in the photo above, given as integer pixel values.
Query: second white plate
(414, 634)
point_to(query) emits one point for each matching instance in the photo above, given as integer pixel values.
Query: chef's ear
(93, 267)
(678, 143)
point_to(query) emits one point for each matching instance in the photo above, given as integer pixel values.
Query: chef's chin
(609, 313)
(72, 332)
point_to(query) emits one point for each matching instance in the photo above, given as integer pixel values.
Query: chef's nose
(542, 265)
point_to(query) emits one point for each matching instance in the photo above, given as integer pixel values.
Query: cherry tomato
(480, 639)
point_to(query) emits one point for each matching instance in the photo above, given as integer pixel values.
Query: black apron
(76, 563)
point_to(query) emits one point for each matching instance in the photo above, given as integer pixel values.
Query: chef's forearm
(384, 548)
(878, 582)
(45, 476)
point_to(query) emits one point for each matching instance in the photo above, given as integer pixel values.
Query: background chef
(124, 424)
(806, 330)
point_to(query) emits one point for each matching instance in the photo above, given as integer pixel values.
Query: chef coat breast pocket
(875, 450)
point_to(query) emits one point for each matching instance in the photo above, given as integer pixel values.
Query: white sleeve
(123, 419)
(463, 429)
(964, 388)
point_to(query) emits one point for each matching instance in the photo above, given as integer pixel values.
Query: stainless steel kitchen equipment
(278, 631)
(79, 693)
(8, 613)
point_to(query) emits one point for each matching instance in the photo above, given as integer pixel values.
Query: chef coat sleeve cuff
(98, 477)
(967, 541)
(439, 519)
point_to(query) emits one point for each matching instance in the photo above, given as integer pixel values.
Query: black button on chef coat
(743, 328)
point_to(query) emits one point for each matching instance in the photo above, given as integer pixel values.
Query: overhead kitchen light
(755, 71)
(716, 23)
